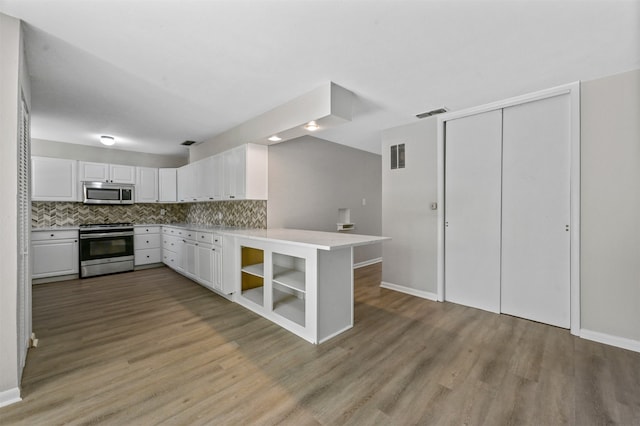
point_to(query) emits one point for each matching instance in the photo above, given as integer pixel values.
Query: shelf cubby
(289, 304)
(289, 287)
(252, 282)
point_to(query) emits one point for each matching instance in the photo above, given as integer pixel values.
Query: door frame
(571, 89)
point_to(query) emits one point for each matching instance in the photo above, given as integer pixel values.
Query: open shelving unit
(289, 287)
(306, 290)
(252, 282)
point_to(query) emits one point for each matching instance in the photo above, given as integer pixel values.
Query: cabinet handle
(147, 242)
(52, 235)
(232, 196)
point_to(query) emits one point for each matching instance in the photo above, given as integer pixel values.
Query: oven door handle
(106, 234)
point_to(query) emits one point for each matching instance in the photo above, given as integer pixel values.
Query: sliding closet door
(472, 217)
(536, 211)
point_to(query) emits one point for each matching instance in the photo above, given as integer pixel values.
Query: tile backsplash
(245, 213)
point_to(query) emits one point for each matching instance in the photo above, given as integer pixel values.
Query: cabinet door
(234, 173)
(146, 185)
(536, 211)
(217, 267)
(53, 179)
(217, 182)
(167, 185)
(93, 172)
(186, 183)
(189, 258)
(472, 217)
(122, 174)
(207, 179)
(199, 172)
(204, 264)
(55, 257)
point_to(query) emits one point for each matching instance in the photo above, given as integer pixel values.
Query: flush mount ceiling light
(107, 140)
(312, 126)
(275, 138)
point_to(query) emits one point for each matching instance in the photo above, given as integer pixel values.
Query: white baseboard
(608, 339)
(367, 263)
(412, 291)
(10, 396)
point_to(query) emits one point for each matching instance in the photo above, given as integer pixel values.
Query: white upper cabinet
(217, 176)
(234, 173)
(237, 174)
(102, 172)
(53, 179)
(246, 172)
(122, 174)
(186, 183)
(167, 185)
(93, 172)
(207, 174)
(146, 185)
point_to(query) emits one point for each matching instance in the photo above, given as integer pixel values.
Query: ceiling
(155, 73)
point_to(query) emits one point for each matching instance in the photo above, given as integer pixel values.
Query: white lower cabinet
(305, 290)
(147, 245)
(197, 255)
(172, 246)
(54, 253)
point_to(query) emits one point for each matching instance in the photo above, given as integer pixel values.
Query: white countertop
(315, 239)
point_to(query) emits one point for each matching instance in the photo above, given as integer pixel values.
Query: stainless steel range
(105, 248)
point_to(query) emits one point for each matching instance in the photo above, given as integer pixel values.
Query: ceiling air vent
(432, 112)
(188, 143)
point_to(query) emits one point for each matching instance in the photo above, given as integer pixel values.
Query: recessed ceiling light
(312, 126)
(107, 140)
(275, 138)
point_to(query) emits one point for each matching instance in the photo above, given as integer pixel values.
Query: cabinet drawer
(170, 242)
(146, 230)
(146, 256)
(173, 231)
(170, 258)
(204, 237)
(53, 235)
(147, 241)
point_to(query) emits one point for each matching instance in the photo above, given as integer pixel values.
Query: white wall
(10, 52)
(410, 258)
(54, 149)
(311, 178)
(610, 212)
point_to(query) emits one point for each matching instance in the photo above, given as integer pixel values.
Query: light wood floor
(152, 347)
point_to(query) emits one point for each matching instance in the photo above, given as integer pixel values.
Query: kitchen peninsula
(301, 280)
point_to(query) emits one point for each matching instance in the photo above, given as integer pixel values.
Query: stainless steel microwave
(107, 193)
